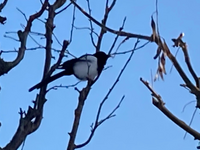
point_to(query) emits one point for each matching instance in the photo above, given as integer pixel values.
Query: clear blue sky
(138, 124)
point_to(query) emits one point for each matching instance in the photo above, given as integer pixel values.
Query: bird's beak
(110, 55)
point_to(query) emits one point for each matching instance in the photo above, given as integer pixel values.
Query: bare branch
(83, 95)
(63, 86)
(189, 84)
(78, 111)
(159, 42)
(103, 31)
(116, 38)
(121, 33)
(191, 121)
(63, 9)
(56, 39)
(187, 105)
(91, 26)
(128, 51)
(175, 57)
(187, 60)
(158, 102)
(73, 20)
(30, 121)
(87, 28)
(2, 5)
(99, 123)
(7, 66)
(12, 38)
(112, 112)
(123, 41)
(64, 47)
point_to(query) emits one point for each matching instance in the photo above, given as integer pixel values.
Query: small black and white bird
(86, 67)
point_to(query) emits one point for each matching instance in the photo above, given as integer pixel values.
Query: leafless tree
(31, 119)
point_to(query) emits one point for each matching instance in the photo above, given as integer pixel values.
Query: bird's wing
(68, 64)
(88, 58)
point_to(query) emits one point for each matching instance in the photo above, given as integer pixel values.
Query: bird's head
(102, 57)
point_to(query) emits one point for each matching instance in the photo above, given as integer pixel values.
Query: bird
(86, 67)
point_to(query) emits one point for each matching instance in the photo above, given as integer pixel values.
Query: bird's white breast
(87, 68)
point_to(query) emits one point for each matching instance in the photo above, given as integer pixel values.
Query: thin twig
(73, 20)
(114, 84)
(35, 41)
(86, 28)
(63, 86)
(191, 121)
(10, 37)
(93, 129)
(63, 9)
(56, 39)
(128, 51)
(123, 41)
(175, 57)
(91, 25)
(22, 14)
(187, 105)
(122, 33)
(103, 31)
(116, 38)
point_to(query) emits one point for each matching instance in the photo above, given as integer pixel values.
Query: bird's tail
(48, 80)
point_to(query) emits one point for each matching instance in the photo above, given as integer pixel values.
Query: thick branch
(2, 5)
(158, 102)
(189, 84)
(49, 31)
(82, 97)
(187, 60)
(30, 121)
(26, 126)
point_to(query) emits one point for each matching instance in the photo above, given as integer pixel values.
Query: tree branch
(103, 31)
(5, 67)
(187, 60)
(2, 5)
(158, 102)
(98, 122)
(78, 111)
(120, 33)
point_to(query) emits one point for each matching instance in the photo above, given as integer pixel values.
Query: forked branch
(7, 66)
(158, 102)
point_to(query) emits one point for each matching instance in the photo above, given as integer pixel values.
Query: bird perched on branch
(86, 67)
